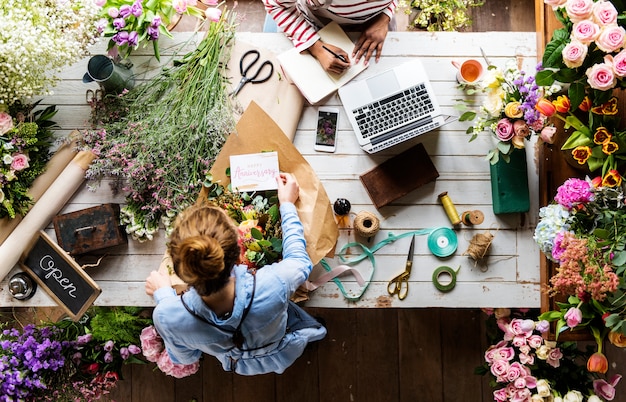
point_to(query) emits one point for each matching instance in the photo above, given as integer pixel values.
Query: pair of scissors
(400, 284)
(254, 79)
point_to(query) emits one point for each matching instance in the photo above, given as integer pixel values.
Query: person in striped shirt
(301, 19)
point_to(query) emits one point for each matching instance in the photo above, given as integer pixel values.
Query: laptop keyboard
(393, 111)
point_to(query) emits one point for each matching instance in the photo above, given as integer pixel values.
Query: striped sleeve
(292, 22)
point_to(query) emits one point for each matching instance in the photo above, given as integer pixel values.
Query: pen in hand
(340, 57)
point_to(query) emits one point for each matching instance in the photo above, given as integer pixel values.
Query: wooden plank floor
(378, 355)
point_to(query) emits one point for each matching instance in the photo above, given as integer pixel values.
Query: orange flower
(561, 104)
(612, 179)
(596, 182)
(618, 339)
(585, 105)
(609, 147)
(608, 109)
(602, 136)
(581, 154)
(597, 363)
(545, 107)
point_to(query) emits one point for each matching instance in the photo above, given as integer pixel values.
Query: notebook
(308, 75)
(391, 107)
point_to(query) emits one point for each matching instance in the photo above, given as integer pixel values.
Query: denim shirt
(267, 347)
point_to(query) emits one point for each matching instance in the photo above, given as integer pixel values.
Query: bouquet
(524, 366)
(37, 39)
(508, 111)
(599, 142)
(129, 23)
(25, 140)
(584, 232)
(258, 221)
(67, 360)
(159, 140)
(588, 52)
(154, 351)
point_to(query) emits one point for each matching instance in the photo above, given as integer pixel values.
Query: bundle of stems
(160, 148)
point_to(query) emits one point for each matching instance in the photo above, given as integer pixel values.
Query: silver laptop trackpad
(383, 84)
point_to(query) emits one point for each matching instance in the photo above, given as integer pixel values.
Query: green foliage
(120, 324)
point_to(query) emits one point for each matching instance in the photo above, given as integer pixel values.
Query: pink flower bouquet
(154, 351)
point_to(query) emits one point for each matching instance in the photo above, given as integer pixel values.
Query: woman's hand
(288, 188)
(327, 60)
(157, 280)
(372, 39)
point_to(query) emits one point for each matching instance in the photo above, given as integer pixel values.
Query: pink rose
(555, 3)
(585, 31)
(500, 395)
(20, 162)
(504, 129)
(601, 76)
(499, 368)
(574, 54)
(554, 357)
(547, 134)
(604, 13)
(611, 38)
(522, 327)
(619, 64)
(515, 371)
(578, 10)
(6, 122)
(521, 130)
(535, 341)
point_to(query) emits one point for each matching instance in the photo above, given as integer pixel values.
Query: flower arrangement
(508, 111)
(154, 351)
(588, 52)
(584, 232)
(158, 140)
(37, 39)
(66, 360)
(25, 140)
(129, 23)
(524, 366)
(258, 220)
(449, 15)
(598, 143)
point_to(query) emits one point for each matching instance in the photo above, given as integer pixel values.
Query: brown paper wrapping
(48, 205)
(257, 132)
(61, 158)
(281, 100)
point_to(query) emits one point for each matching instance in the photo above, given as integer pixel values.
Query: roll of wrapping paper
(40, 215)
(59, 161)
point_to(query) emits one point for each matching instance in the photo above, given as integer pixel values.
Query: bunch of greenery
(435, 15)
(162, 137)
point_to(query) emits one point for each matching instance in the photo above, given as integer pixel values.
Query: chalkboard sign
(58, 273)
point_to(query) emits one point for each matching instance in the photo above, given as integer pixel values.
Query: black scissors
(400, 284)
(254, 78)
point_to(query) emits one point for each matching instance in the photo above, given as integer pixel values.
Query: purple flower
(133, 38)
(124, 353)
(574, 191)
(113, 12)
(108, 357)
(121, 38)
(125, 10)
(119, 23)
(108, 346)
(153, 33)
(137, 9)
(542, 326)
(84, 339)
(156, 22)
(134, 349)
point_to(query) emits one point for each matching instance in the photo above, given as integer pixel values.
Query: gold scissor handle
(399, 285)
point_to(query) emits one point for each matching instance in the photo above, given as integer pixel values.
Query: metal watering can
(113, 77)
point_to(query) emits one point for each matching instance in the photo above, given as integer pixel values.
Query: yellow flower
(512, 110)
(581, 154)
(609, 147)
(618, 339)
(612, 179)
(602, 136)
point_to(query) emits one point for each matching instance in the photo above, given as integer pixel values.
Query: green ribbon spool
(445, 270)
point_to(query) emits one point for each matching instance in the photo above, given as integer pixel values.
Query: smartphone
(326, 134)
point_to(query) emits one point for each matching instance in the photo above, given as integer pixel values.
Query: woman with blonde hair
(245, 319)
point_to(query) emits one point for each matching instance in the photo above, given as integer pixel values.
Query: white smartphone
(326, 134)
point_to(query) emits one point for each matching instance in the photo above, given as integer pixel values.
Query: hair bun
(202, 257)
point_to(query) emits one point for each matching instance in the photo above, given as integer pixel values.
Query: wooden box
(90, 229)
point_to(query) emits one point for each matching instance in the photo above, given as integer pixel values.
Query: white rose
(594, 398)
(494, 102)
(536, 398)
(573, 396)
(543, 388)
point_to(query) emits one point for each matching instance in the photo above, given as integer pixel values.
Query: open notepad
(307, 73)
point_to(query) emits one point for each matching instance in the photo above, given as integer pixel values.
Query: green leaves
(552, 57)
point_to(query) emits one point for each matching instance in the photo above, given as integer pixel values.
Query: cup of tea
(469, 71)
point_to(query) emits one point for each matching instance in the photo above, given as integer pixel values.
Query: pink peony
(578, 10)
(604, 13)
(573, 191)
(601, 77)
(20, 162)
(151, 343)
(611, 38)
(166, 365)
(574, 54)
(504, 129)
(585, 31)
(6, 122)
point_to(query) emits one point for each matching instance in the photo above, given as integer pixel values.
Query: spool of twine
(366, 224)
(479, 246)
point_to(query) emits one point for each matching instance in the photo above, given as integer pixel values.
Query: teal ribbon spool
(435, 236)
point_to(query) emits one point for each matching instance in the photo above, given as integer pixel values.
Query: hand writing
(328, 60)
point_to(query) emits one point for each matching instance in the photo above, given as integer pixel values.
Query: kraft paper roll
(50, 203)
(57, 163)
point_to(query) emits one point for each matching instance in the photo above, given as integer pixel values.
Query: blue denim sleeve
(296, 265)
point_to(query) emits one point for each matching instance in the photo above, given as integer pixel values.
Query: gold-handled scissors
(400, 284)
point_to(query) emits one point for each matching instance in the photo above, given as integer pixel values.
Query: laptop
(392, 107)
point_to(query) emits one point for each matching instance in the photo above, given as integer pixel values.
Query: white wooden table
(510, 277)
